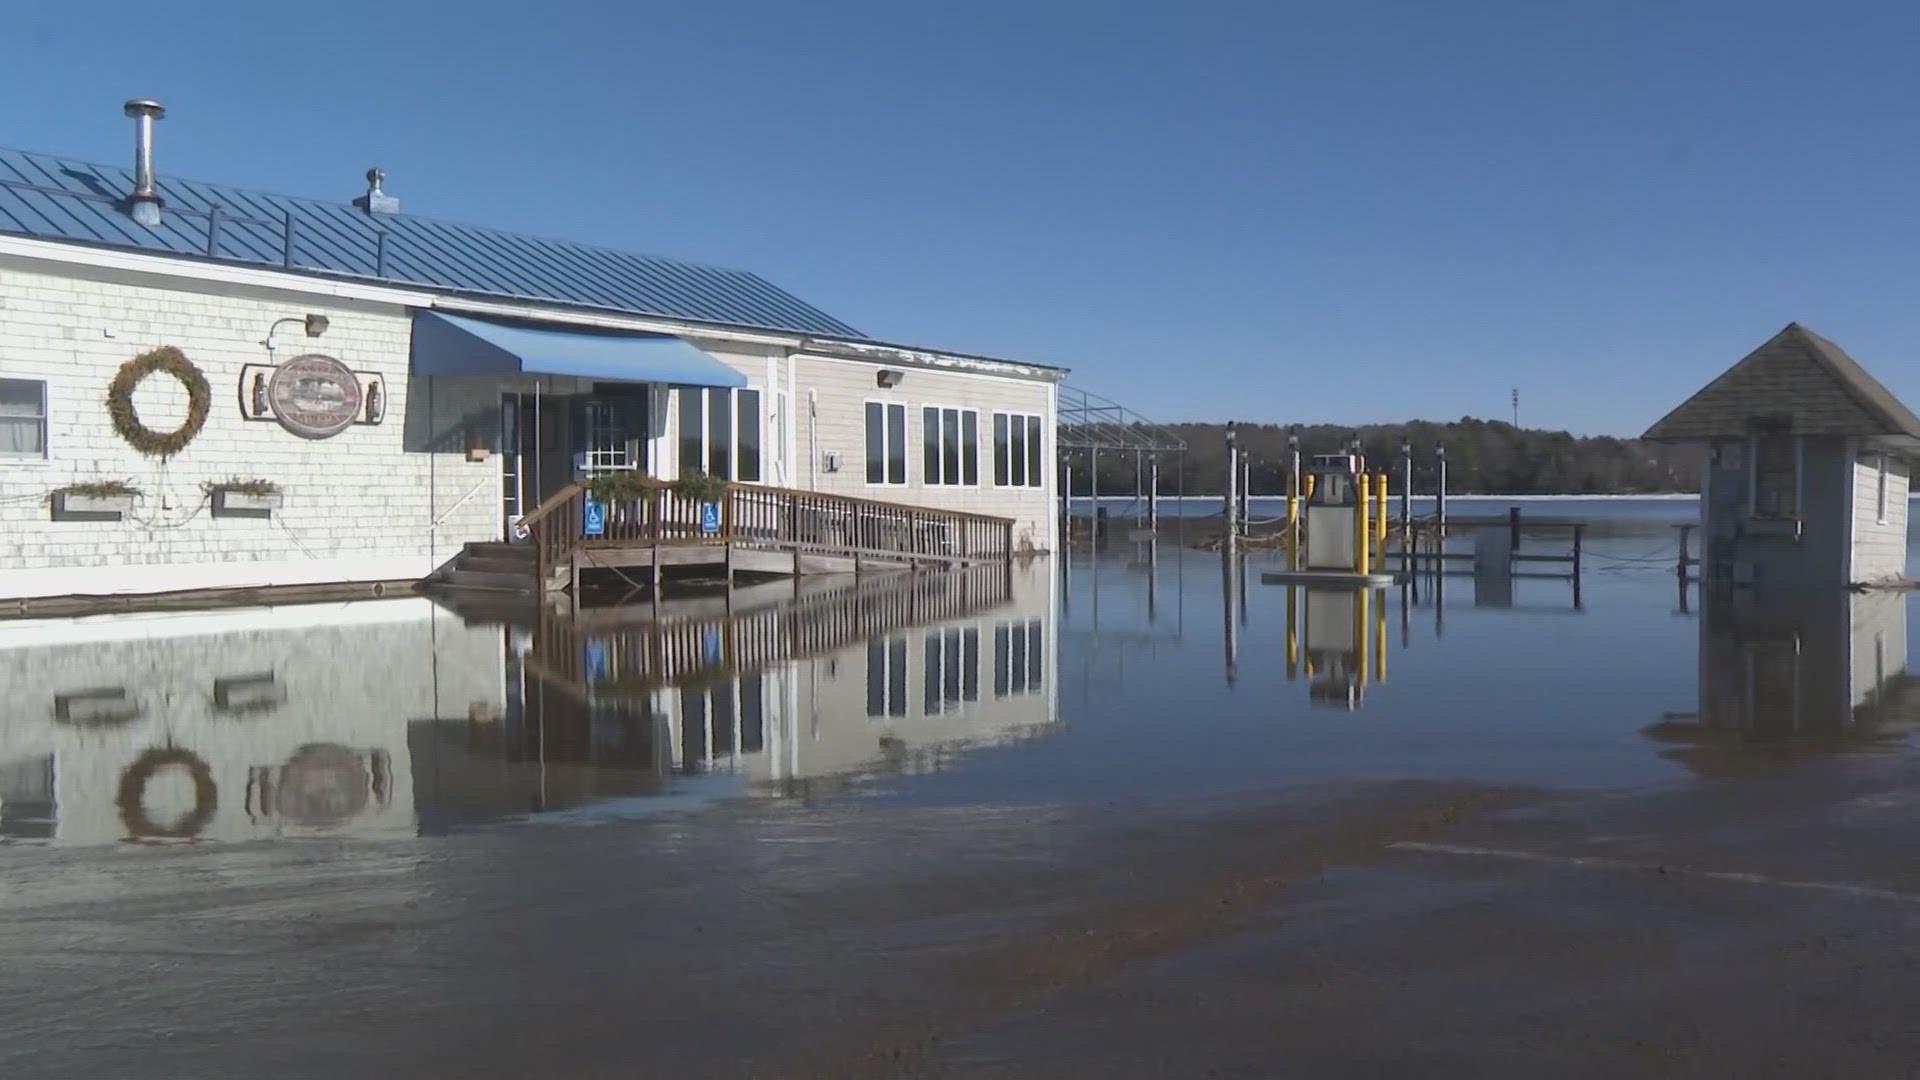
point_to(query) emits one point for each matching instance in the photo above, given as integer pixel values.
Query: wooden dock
(752, 529)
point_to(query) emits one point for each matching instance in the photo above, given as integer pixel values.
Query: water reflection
(392, 717)
(1785, 675)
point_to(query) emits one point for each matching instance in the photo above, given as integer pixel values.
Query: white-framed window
(1017, 454)
(886, 443)
(1880, 492)
(1018, 658)
(23, 418)
(950, 446)
(721, 432)
(887, 676)
(952, 671)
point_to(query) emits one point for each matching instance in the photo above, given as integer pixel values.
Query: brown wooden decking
(760, 529)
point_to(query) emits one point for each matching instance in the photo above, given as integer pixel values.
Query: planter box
(230, 503)
(68, 506)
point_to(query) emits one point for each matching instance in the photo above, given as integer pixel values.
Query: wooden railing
(775, 517)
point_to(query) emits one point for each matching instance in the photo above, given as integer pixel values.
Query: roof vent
(144, 201)
(376, 201)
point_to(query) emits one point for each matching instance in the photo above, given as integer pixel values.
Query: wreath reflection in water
(133, 795)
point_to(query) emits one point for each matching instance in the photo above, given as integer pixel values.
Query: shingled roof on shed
(1798, 383)
(58, 199)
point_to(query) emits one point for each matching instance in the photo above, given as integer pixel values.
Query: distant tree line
(1483, 457)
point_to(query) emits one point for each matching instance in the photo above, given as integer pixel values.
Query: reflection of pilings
(1293, 632)
(666, 651)
(1380, 638)
(1230, 590)
(1153, 577)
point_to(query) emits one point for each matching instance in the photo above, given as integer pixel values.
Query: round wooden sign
(314, 396)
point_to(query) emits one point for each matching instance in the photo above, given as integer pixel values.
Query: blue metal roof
(51, 198)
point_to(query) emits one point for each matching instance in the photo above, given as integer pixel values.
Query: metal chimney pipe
(144, 202)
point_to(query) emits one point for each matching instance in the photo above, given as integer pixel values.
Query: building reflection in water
(797, 695)
(388, 717)
(1785, 675)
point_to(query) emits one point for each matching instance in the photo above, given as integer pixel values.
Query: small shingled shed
(1808, 459)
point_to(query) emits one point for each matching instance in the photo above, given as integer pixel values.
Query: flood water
(150, 763)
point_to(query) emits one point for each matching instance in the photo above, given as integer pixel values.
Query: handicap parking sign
(596, 523)
(596, 660)
(710, 518)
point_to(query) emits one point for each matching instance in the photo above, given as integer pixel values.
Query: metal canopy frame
(1087, 421)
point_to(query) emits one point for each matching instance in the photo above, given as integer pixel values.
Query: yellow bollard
(1362, 526)
(1380, 497)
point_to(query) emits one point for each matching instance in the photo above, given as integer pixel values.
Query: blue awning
(446, 344)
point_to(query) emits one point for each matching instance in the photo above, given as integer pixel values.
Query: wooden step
(496, 564)
(494, 549)
(479, 579)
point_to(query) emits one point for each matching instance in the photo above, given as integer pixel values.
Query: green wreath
(126, 419)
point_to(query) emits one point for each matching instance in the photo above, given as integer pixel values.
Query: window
(23, 418)
(1017, 653)
(1017, 453)
(720, 433)
(951, 441)
(1880, 493)
(1776, 478)
(728, 718)
(952, 671)
(886, 443)
(887, 677)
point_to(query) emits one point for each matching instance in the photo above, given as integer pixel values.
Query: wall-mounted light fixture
(314, 325)
(890, 378)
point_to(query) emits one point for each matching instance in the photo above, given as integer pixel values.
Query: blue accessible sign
(710, 518)
(596, 519)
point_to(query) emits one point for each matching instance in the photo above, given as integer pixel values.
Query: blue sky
(1328, 212)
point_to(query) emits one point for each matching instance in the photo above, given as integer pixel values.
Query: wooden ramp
(752, 529)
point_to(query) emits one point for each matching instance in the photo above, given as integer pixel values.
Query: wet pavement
(1115, 816)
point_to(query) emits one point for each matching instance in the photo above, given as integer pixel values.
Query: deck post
(1066, 501)
(1440, 492)
(1246, 490)
(1153, 493)
(576, 581)
(1406, 488)
(1231, 504)
(1093, 492)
